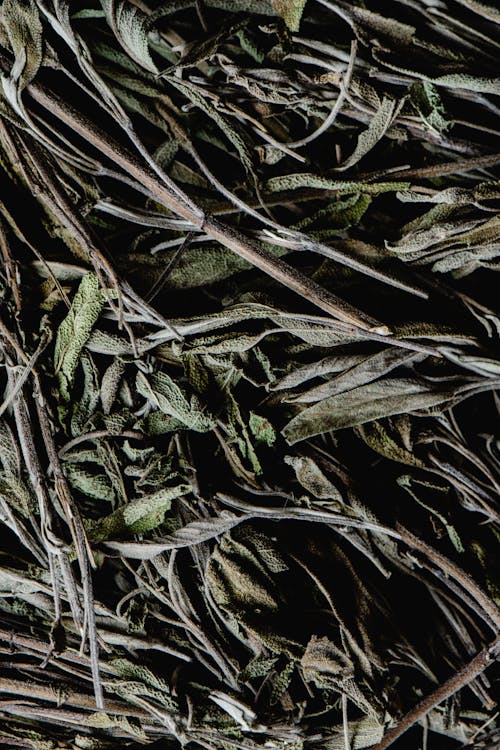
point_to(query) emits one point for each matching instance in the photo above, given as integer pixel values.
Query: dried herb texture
(249, 336)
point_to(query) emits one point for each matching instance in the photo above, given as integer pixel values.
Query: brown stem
(460, 679)
(454, 572)
(438, 170)
(4, 331)
(51, 693)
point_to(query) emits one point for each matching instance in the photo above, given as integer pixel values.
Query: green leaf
(160, 390)
(101, 720)
(110, 383)
(363, 733)
(291, 11)
(97, 486)
(10, 457)
(373, 401)
(427, 101)
(128, 670)
(238, 434)
(206, 48)
(312, 478)
(338, 214)
(76, 329)
(371, 368)
(15, 492)
(233, 133)
(379, 124)
(483, 9)
(84, 408)
(328, 667)
(21, 23)
(262, 429)
(316, 369)
(193, 533)
(197, 267)
(407, 482)
(313, 181)
(131, 25)
(485, 366)
(378, 438)
(259, 666)
(324, 663)
(282, 681)
(262, 7)
(136, 517)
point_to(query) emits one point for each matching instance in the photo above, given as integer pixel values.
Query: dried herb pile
(249, 333)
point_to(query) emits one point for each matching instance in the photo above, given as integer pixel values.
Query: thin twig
(443, 563)
(345, 723)
(75, 524)
(460, 679)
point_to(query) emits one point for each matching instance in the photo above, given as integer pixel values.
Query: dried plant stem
(229, 237)
(47, 692)
(464, 580)
(10, 268)
(157, 364)
(460, 679)
(439, 170)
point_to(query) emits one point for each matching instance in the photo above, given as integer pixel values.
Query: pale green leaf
(312, 181)
(129, 670)
(166, 395)
(371, 368)
(131, 25)
(262, 429)
(427, 101)
(102, 720)
(291, 11)
(10, 457)
(136, 517)
(89, 484)
(378, 126)
(363, 733)
(21, 23)
(312, 478)
(76, 329)
(193, 533)
(373, 401)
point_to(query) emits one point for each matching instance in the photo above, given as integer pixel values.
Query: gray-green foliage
(291, 11)
(76, 329)
(21, 25)
(138, 516)
(166, 395)
(367, 403)
(131, 24)
(427, 101)
(224, 506)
